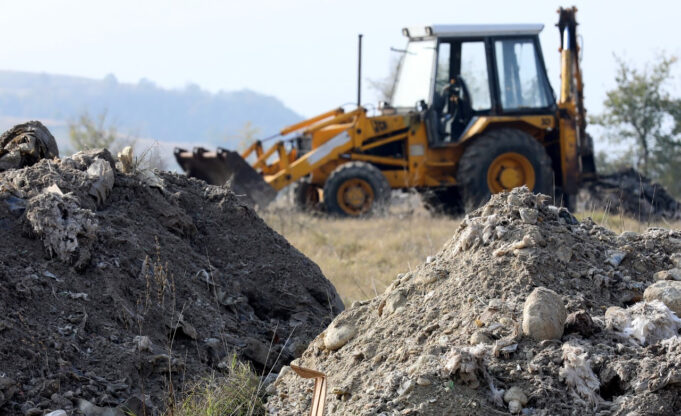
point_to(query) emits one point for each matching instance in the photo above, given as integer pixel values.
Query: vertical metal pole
(359, 72)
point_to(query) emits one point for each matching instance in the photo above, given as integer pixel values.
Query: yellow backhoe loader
(472, 113)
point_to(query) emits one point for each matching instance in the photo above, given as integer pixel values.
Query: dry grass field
(362, 256)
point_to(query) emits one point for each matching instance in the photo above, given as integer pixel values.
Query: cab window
(474, 73)
(518, 70)
(415, 76)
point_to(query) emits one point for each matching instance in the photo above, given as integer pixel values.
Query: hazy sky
(301, 51)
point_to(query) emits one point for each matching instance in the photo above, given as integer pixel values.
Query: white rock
(543, 315)
(514, 200)
(564, 253)
(515, 407)
(515, 393)
(423, 364)
(336, 337)
(103, 179)
(406, 387)
(671, 274)
(422, 381)
(616, 318)
(126, 158)
(615, 257)
(676, 259)
(57, 413)
(143, 343)
(284, 370)
(480, 338)
(528, 215)
(395, 300)
(667, 292)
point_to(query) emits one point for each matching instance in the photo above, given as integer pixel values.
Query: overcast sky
(301, 51)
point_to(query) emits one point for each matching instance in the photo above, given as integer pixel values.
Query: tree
(88, 133)
(386, 86)
(95, 133)
(246, 135)
(639, 108)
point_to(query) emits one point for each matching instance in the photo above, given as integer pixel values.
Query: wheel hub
(510, 170)
(355, 196)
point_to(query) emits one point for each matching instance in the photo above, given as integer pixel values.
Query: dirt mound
(120, 288)
(630, 193)
(524, 310)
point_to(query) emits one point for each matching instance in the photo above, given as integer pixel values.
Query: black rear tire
(356, 172)
(306, 195)
(446, 201)
(478, 157)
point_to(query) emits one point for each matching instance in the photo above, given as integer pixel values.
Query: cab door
(462, 86)
(522, 84)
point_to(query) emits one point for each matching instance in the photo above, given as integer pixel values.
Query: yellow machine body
(401, 143)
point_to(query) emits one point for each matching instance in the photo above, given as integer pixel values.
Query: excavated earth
(630, 193)
(461, 335)
(119, 289)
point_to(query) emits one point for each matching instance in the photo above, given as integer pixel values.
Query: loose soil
(118, 290)
(630, 193)
(448, 337)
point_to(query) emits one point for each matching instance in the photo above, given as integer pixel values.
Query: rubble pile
(25, 144)
(120, 289)
(524, 311)
(630, 193)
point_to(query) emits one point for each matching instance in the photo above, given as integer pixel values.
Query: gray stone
(616, 318)
(528, 215)
(393, 302)
(667, 292)
(515, 393)
(336, 337)
(615, 257)
(102, 176)
(480, 337)
(543, 315)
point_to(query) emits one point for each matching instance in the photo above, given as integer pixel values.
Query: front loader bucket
(224, 165)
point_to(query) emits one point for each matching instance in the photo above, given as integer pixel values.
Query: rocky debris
(580, 322)
(630, 193)
(115, 285)
(455, 335)
(671, 274)
(26, 144)
(67, 230)
(125, 158)
(516, 399)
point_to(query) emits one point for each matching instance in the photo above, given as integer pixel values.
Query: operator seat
(462, 111)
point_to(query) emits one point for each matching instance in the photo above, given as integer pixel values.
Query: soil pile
(117, 289)
(525, 310)
(630, 193)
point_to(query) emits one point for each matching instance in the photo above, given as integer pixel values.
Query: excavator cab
(457, 73)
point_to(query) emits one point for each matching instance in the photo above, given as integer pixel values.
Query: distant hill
(188, 116)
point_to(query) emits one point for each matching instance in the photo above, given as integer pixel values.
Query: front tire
(355, 189)
(500, 160)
